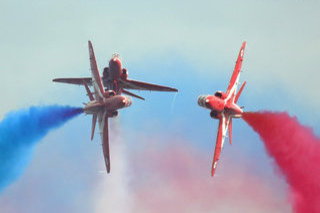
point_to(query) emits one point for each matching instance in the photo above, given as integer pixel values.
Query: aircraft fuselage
(113, 73)
(217, 105)
(110, 104)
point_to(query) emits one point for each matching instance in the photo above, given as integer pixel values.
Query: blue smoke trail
(21, 130)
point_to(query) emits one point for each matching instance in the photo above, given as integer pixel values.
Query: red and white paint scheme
(223, 106)
(107, 98)
(103, 104)
(115, 77)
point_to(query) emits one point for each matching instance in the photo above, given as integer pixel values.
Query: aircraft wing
(222, 132)
(96, 79)
(104, 132)
(78, 81)
(140, 85)
(234, 81)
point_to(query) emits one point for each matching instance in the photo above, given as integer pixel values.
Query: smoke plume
(296, 151)
(175, 177)
(21, 130)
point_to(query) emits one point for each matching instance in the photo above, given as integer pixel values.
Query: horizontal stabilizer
(230, 131)
(94, 121)
(132, 94)
(239, 93)
(88, 91)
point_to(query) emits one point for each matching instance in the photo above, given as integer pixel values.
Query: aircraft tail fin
(94, 121)
(239, 93)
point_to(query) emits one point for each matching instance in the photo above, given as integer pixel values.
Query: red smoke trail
(174, 177)
(296, 150)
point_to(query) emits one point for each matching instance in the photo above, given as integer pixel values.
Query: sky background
(161, 148)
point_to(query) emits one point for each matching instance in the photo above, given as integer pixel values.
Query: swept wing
(96, 79)
(78, 81)
(222, 132)
(234, 81)
(104, 132)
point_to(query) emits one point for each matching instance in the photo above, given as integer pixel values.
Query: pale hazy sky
(44, 39)
(184, 44)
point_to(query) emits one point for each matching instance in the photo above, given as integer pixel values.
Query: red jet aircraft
(116, 78)
(104, 103)
(224, 107)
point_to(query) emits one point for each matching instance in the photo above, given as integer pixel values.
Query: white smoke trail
(112, 193)
(173, 103)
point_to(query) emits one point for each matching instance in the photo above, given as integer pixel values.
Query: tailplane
(94, 117)
(230, 130)
(132, 94)
(89, 93)
(239, 93)
(94, 121)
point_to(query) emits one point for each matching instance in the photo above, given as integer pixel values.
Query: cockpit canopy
(106, 72)
(109, 93)
(220, 94)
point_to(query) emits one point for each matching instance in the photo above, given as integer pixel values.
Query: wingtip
(212, 172)
(171, 89)
(244, 44)
(90, 44)
(213, 169)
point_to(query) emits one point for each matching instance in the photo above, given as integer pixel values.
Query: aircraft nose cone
(115, 60)
(115, 63)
